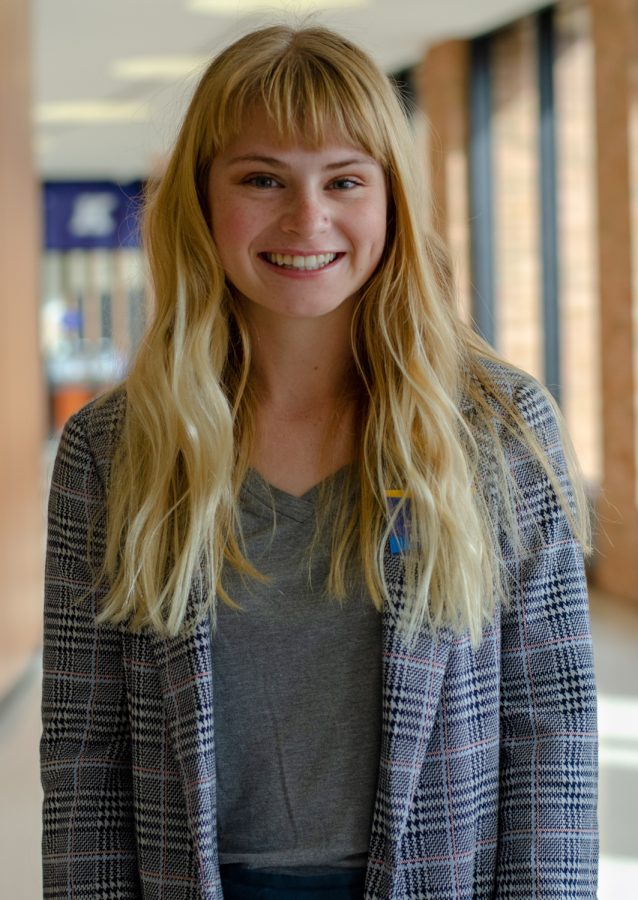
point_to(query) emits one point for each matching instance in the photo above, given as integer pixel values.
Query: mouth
(299, 263)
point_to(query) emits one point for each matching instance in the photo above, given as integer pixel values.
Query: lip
(289, 251)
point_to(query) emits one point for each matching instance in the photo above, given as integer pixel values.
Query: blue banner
(89, 215)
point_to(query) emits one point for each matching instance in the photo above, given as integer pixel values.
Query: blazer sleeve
(548, 837)
(88, 835)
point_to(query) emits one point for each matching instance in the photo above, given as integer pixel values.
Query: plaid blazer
(488, 772)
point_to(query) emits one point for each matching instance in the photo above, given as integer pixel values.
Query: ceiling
(76, 44)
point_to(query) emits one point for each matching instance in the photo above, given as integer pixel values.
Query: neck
(299, 364)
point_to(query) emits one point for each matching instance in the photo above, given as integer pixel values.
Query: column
(613, 32)
(21, 383)
(443, 89)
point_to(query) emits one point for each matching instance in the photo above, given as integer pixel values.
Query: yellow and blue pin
(399, 538)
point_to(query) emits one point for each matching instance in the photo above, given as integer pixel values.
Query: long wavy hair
(187, 431)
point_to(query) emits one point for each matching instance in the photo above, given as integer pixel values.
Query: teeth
(305, 263)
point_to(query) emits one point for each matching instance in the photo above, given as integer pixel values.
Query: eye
(261, 181)
(344, 184)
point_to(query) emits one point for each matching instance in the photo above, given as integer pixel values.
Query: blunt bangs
(309, 87)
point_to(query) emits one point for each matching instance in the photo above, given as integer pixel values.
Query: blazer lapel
(412, 680)
(185, 668)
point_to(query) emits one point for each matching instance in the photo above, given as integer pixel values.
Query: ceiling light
(157, 68)
(90, 112)
(239, 7)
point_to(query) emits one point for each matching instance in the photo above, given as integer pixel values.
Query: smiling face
(299, 231)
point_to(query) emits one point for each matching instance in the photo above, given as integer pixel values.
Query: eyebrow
(273, 162)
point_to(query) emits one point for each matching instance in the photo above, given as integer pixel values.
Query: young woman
(316, 617)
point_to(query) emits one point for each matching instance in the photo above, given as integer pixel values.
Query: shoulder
(521, 443)
(514, 400)
(509, 381)
(90, 436)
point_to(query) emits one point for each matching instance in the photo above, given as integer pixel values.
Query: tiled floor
(616, 646)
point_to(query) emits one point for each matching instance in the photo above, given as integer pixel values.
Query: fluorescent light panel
(157, 68)
(241, 7)
(90, 112)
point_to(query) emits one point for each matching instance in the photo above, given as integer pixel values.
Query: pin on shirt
(398, 504)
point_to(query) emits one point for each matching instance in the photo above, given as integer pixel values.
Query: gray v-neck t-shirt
(297, 698)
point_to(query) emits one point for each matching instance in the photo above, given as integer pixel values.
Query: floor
(616, 647)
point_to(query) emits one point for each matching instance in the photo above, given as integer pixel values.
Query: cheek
(232, 232)
(378, 230)
(229, 226)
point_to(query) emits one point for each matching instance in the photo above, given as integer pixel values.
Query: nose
(305, 214)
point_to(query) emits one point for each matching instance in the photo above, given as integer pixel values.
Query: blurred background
(526, 116)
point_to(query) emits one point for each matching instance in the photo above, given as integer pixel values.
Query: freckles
(239, 221)
(229, 226)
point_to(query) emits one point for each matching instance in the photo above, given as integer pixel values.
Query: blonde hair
(184, 448)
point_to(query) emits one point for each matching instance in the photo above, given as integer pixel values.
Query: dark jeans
(240, 883)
